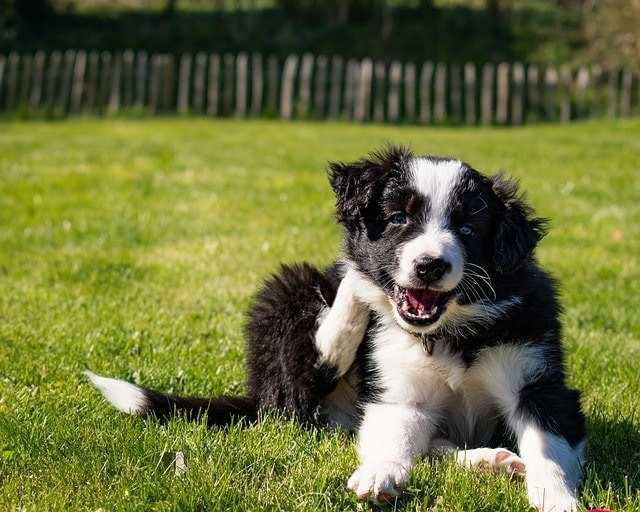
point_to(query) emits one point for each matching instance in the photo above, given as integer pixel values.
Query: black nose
(431, 270)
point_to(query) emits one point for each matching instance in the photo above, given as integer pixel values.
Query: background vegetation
(605, 32)
(132, 248)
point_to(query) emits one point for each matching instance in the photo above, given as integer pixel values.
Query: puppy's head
(431, 233)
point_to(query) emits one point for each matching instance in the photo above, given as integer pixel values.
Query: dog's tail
(135, 400)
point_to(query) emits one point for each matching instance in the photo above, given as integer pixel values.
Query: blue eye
(467, 230)
(398, 218)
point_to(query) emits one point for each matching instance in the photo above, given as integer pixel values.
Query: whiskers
(475, 285)
(477, 304)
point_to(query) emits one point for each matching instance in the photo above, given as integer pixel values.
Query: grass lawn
(132, 248)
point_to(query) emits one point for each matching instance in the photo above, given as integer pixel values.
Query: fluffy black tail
(139, 401)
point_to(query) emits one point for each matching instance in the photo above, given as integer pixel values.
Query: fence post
(242, 71)
(52, 80)
(348, 99)
(65, 84)
(228, 68)
(550, 88)
(154, 85)
(470, 93)
(410, 92)
(199, 82)
(395, 76)
(184, 83)
(286, 93)
(426, 79)
(104, 79)
(502, 103)
(140, 70)
(114, 96)
(517, 97)
(533, 91)
(379, 91)
(320, 87)
(440, 107)
(337, 66)
(3, 66)
(128, 58)
(77, 86)
(304, 92)
(25, 82)
(363, 91)
(565, 94)
(142, 62)
(596, 105)
(3, 63)
(213, 85)
(91, 84)
(636, 110)
(273, 77)
(12, 81)
(486, 95)
(257, 84)
(456, 93)
(582, 83)
(625, 92)
(35, 97)
(170, 82)
(612, 94)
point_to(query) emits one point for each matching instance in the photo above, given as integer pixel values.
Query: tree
(612, 30)
(34, 10)
(499, 11)
(334, 12)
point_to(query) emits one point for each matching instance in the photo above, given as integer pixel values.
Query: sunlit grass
(133, 248)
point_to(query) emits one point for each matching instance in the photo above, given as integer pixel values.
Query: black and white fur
(436, 332)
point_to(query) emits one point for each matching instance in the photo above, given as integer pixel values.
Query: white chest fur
(464, 400)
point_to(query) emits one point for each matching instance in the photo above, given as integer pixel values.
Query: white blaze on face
(436, 182)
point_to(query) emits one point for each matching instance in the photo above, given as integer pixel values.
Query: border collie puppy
(437, 332)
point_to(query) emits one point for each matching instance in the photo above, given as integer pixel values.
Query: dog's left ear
(518, 231)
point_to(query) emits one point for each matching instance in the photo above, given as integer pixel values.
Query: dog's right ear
(518, 231)
(358, 186)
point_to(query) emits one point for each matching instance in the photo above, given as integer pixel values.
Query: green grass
(132, 248)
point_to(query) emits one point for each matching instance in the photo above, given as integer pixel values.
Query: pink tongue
(422, 300)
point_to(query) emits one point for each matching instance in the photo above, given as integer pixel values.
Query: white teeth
(413, 308)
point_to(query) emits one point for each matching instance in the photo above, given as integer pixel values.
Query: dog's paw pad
(379, 483)
(493, 459)
(510, 462)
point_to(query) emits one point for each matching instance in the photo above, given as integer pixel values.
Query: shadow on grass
(613, 456)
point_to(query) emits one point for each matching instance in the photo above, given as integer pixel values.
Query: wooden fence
(243, 85)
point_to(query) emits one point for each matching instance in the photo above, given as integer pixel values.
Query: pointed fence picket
(309, 87)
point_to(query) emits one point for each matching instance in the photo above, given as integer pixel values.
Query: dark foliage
(365, 28)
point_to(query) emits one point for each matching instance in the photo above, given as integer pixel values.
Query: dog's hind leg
(342, 326)
(495, 459)
(303, 332)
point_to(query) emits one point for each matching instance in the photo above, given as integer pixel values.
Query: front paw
(380, 482)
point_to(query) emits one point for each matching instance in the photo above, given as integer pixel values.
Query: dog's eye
(398, 218)
(467, 230)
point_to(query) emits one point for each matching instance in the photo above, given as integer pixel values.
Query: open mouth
(419, 306)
